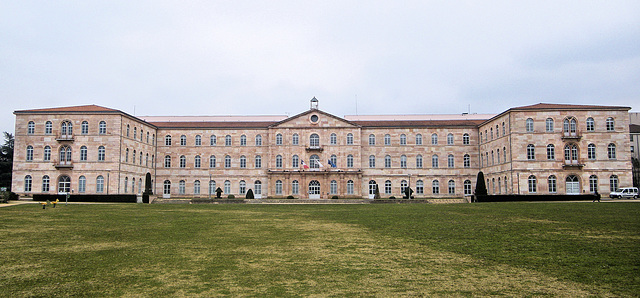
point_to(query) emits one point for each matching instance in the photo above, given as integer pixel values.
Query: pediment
(314, 118)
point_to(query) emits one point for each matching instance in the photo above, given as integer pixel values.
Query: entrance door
(572, 185)
(314, 189)
(372, 189)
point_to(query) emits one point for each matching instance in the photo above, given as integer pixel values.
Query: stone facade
(318, 155)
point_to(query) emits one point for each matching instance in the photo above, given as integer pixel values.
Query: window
(497, 131)
(465, 139)
(29, 153)
(167, 161)
(140, 158)
(450, 139)
(85, 128)
(128, 128)
(532, 181)
(372, 140)
(213, 140)
(135, 133)
(227, 140)
(349, 161)
(434, 139)
(593, 183)
(47, 153)
(279, 139)
(552, 181)
(466, 161)
(212, 161)
(196, 187)
(183, 140)
(372, 161)
(434, 161)
(279, 161)
(387, 140)
(126, 155)
(65, 155)
(212, 187)
(278, 187)
(227, 187)
(166, 187)
(146, 160)
(480, 137)
(45, 183)
(183, 161)
(611, 151)
(181, 187)
(349, 139)
(571, 153)
(613, 183)
(529, 125)
(531, 152)
(450, 161)
(243, 161)
(66, 129)
(435, 187)
(591, 126)
(167, 140)
(387, 187)
(257, 186)
(492, 133)
(549, 125)
(591, 151)
(504, 131)
(258, 140)
(295, 140)
(31, 127)
(387, 161)
(126, 184)
(403, 139)
(100, 184)
(372, 187)
(198, 140)
(48, 127)
(492, 158)
(147, 137)
(243, 187)
(197, 161)
(102, 129)
(258, 161)
(498, 155)
(350, 187)
(333, 139)
(314, 162)
(227, 161)
(418, 139)
(467, 187)
(82, 184)
(295, 187)
(295, 161)
(569, 126)
(551, 152)
(334, 160)
(610, 124)
(451, 187)
(419, 187)
(314, 140)
(419, 161)
(27, 183)
(243, 140)
(333, 187)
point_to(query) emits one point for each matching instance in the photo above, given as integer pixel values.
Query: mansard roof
(72, 109)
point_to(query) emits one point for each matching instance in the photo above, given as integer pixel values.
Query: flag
(304, 165)
(333, 165)
(319, 164)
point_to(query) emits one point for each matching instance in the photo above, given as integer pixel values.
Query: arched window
(569, 126)
(314, 162)
(48, 127)
(593, 183)
(102, 128)
(531, 152)
(295, 140)
(591, 151)
(465, 139)
(198, 140)
(434, 161)
(31, 127)
(403, 186)
(167, 140)
(572, 185)
(571, 153)
(349, 139)
(213, 140)
(212, 161)
(387, 161)
(466, 161)
(314, 140)
(387, 140)
(450, 161)
(450, 139)
(419, 187)
(613, 183)
(47, 153)
(372, 187)
(552, 181)
(533, 184)
(197, 161)
(227, 140)
(212, 187)
(243, 140)
(227, 161)
(333, 187)
(258, 162)
(65, 155)
(126, 184)
(279, 161)
(243, 187)
(451, 187)
(183, 161)
(403, 139)
(227, 187)
(549, 125)
(279, 187)
(28, 182)
(85, 128)
(333, 139)
(196, 187)
(166, 189)
(135, 133)
(435, 187)
(387, 187)
(126, 155)
(258, 140)
(591, 125)
(257, 187)
(66, 129)
(418, 139)
(182, 187)
(610, 124)
(350, 187)
(419, 161)
(467, 187)
(167, 161)
(434, 139)
(372, 140)
(279, 139)
(551, 152)
(183, 140)
(334, 160)
(45, 183)
(100, 184)
(611, 151)
(243, 161)
(295, 187)
(82, 184)
(349, 161)
(295, 161)
(529, 125)
(29, 153)
(372, 161)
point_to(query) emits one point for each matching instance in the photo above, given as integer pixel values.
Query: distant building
(537, 149)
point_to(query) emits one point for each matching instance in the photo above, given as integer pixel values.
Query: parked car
(625, 192)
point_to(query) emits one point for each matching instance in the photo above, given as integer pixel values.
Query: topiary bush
(231, 197)
(249, 195)
(334, 197)
(290, 197)
(392, 198)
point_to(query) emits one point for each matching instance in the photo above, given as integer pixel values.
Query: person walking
(597, 196)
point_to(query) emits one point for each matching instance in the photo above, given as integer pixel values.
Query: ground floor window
(613, 183)
(181, 187)
(419, 187)
(27, 183)
(278, 187)
(467, 187)
(533, 184)
(333, 187)
(212, 187)
(295, 187)
(257, 187)
(435, 187)
(196, 187)
(350, 187)
(593, 183)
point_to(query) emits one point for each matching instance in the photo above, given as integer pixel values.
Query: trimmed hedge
(87, 198)
(532, 198)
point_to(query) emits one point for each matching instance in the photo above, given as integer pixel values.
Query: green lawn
(512, 249)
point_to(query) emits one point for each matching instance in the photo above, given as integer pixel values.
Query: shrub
(392, 198)
(334, 197)
(231, 197)
(249, 195)
(290, 197)
(481, 187)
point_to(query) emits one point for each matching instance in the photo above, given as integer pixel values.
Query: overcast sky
(271, 57)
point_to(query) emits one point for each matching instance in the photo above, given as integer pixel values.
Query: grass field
(512, 249)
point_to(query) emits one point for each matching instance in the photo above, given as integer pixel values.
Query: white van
(625, 192)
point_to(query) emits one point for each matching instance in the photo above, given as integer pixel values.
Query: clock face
(314, 118)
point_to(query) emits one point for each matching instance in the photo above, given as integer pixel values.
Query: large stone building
(537, 149)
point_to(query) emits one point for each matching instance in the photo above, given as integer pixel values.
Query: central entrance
(314, 189)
